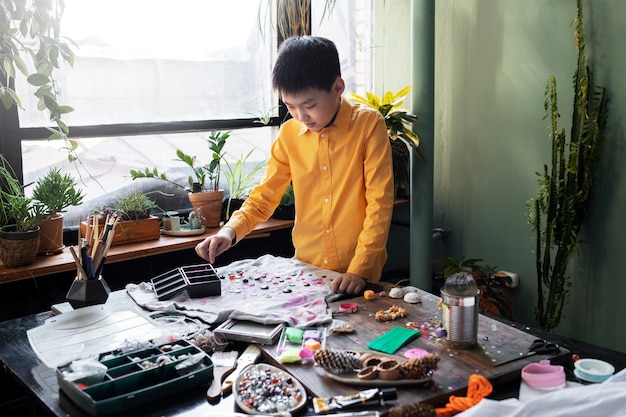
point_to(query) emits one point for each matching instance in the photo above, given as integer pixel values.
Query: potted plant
(56, 192)
(137, 224)
(205, 195)
(239, 182)
(286, 209)
(134, 206)
(490, 282)
(558, 212)
(20, 217)
(398, 123)
(30, 38)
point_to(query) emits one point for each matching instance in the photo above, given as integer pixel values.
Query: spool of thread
(593, 370)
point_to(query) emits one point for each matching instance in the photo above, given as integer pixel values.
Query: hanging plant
(30, 37)
(559, 210)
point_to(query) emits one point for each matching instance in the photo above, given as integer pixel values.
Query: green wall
(492, 60)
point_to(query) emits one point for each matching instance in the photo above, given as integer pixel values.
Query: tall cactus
(558, 212)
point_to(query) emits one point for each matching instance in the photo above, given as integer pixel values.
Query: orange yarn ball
(369, 295)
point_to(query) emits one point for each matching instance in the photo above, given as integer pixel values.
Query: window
(152, 76)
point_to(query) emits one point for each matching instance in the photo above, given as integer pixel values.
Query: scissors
(537, 347)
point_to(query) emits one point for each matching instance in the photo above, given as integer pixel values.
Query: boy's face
(315, 108)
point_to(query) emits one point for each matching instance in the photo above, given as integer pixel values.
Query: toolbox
(136, 378)
(198, 280)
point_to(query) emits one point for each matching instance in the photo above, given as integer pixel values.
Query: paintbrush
(223, 364)
(248, 357)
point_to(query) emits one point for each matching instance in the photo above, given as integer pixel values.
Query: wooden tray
(351, 378)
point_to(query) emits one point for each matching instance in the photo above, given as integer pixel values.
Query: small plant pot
(208, 206)
(18, 248)
(89, 292)
(51, 235)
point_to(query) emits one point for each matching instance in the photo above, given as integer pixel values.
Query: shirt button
(323, 135)
(328, 231)
(325, 261)
(326, 200)
(325, 168)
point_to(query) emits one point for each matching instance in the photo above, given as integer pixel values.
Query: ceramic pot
(89, 292)
(18, 248)
(208, 206)
(51, 235)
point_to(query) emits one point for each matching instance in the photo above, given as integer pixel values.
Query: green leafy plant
(30, 37)
(240, 181)
(134, 206)
(558, 212)
(205, 177)
(25, 212)
(57, 191)
(490, 283)
(399, 123)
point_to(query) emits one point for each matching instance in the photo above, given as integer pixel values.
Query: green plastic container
(135, 378)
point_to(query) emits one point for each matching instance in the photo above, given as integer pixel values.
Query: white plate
(184, 231)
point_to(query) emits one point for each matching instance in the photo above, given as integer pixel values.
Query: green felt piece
(393, 340)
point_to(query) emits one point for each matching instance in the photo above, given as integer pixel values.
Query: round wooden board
(261, 368)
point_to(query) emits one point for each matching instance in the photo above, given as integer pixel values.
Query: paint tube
(359, 399)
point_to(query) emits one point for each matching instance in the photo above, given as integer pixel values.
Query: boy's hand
(214, 245)
(348, 284)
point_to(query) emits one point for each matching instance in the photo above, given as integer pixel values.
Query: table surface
(496, 341)
(63, 261)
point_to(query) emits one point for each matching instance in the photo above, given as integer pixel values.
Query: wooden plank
(496, 341)
(63, 262)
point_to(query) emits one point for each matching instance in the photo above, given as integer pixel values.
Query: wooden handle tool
(248, 357)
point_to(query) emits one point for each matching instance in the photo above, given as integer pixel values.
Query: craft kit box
(129, 380)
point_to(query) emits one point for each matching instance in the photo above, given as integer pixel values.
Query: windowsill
(63, 262)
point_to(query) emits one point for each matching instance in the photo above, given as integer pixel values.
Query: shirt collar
(341, 120)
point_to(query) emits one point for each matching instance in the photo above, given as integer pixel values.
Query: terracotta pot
(51, 235)
(18, 248)
(208, 206)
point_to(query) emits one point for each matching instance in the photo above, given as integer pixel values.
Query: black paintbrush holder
(89, 292)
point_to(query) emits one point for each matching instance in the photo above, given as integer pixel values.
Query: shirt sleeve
(371, 254)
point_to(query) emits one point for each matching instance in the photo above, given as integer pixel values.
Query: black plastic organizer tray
(136, 378)
(198, 280)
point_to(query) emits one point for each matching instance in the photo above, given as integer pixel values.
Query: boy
(337, 157)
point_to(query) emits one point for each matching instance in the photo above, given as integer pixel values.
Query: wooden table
(63, 262)
(18, 359)
(496, 341)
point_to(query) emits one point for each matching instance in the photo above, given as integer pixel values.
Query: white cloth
(607, 399)
(276, 290)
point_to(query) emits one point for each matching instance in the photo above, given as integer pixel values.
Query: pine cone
(413, 410)
(337, 361)
(418, 368)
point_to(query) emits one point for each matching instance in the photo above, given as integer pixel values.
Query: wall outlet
(514, 278)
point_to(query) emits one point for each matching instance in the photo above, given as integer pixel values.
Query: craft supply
(392, 313)
(538, 346)
(478, 387)
(247, 358)
(265, 389)
(593, 370)
(223, 364)
(393, 340)
(542, 375)
(361, 399)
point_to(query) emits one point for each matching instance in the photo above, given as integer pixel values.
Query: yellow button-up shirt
(342, 179)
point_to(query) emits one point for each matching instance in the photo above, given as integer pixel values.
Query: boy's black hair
(306, 62)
